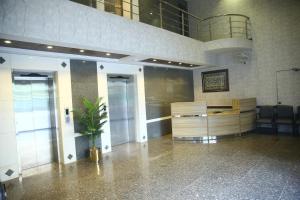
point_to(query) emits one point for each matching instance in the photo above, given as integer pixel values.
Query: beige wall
(276, 46)
(241, 78)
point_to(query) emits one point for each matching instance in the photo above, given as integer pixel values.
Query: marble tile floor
(253, 166)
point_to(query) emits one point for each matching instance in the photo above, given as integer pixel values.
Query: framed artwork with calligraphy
(215, 81)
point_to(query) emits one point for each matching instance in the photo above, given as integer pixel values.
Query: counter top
(223, 113)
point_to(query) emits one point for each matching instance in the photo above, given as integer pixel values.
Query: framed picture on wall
(215, 81)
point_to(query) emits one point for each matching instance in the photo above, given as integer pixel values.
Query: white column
(103, 93)
(66, 125)
(8, 141)
(141, 132)
(100, 5)
(131, 9)
(135, 10)
(126, 5)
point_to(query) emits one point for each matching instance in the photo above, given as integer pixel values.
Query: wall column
(9, 166)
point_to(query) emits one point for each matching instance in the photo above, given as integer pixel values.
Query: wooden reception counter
(199, 119)
(223, 123)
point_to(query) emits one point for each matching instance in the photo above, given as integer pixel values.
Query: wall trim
(158, 119)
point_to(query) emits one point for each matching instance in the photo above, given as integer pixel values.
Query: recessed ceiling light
(169, 62)
(49, 47)
(179, 63)
(7, 41)
(108, 54)
(81, 50)
(154, 60)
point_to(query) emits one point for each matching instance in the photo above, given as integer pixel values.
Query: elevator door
(33, 121)
(121, 112)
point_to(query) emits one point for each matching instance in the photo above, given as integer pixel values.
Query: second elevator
(121, 99)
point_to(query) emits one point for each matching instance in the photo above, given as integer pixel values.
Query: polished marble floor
(249, 167)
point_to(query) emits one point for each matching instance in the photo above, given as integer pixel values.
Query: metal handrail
(170, 17)
(224, 15)
(212, 32)
(184, 11)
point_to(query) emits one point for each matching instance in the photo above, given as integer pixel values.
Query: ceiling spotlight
(179, 63)
(108, 54)
(154, 60)
(49, 47)
(81, 50)
(7, 41)
(169, 62)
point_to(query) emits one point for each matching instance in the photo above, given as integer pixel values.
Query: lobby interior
(199, 99)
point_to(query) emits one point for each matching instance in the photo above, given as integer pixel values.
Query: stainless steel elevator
(34, 105)
(121, 97)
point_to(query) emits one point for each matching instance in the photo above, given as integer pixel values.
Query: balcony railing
(163, 14)
(224, 26)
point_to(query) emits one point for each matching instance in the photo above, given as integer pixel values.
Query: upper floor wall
(69, 24)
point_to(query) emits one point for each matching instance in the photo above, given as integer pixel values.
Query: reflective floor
(248, 167)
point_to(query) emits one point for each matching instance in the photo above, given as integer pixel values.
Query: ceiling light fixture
(151, 13)
(49, 47)
(179, 63)
(154, 60)
(108, 54)
(81, 50)
(169, 62)
(7, 41)
(191, 65)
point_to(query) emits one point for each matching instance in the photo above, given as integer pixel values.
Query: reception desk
(199, 119)
(223, 123)
(189, 119)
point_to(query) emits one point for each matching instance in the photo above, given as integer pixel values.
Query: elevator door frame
(105, 68)
(53, 115)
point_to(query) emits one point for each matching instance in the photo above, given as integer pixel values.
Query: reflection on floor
(248, 167)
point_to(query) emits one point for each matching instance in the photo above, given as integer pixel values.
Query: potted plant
(91, 119)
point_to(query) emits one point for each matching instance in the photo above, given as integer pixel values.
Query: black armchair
(266, 116)
(284, 116)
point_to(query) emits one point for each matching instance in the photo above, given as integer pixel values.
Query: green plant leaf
(91, 117)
